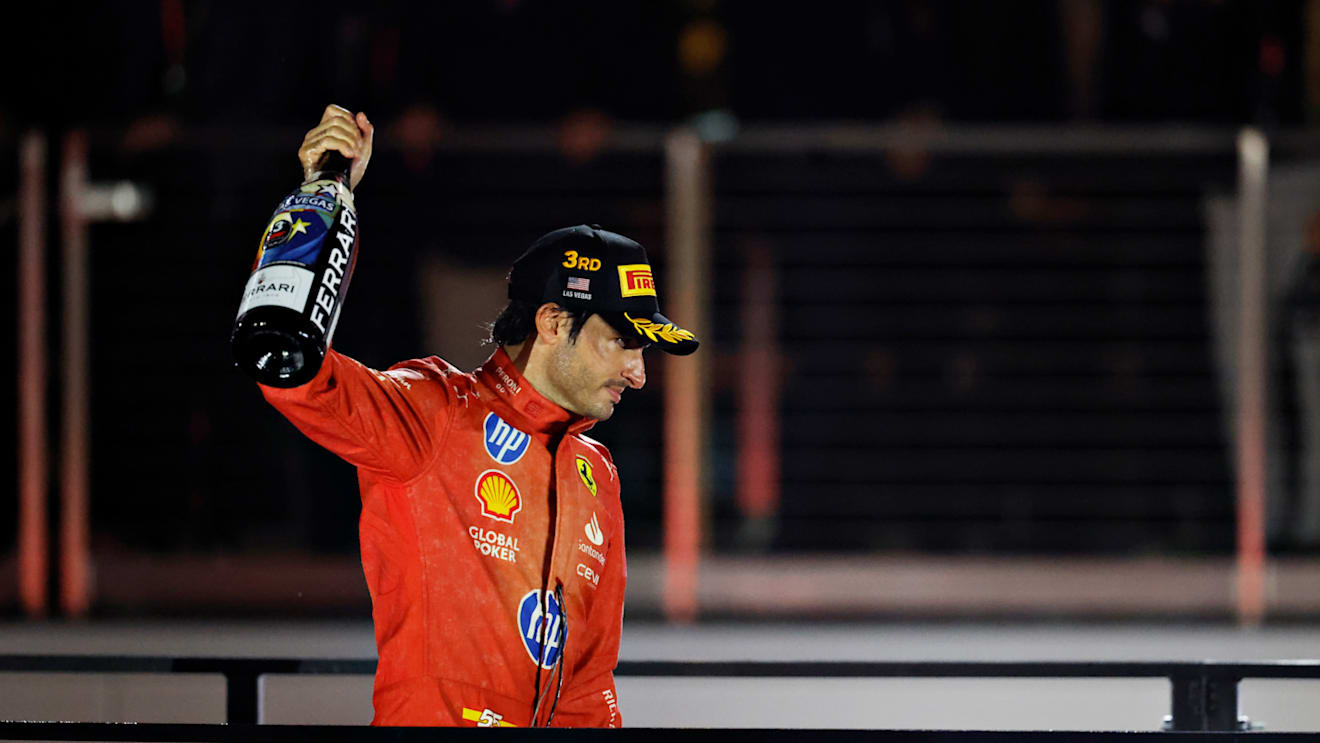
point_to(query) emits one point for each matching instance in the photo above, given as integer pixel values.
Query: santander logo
(594, 533)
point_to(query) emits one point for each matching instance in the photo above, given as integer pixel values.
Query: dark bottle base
(270, 346)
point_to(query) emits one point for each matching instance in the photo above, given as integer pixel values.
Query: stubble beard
(579, 390)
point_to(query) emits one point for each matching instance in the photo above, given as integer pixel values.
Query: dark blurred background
(514, 60)
(982, 353)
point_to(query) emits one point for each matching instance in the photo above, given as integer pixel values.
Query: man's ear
(552, 323)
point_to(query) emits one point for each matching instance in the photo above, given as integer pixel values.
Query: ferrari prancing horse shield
(584, 471)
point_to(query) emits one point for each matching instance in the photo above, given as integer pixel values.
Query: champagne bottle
(292, 300)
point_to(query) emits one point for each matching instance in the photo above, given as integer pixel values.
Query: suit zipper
(547, 578)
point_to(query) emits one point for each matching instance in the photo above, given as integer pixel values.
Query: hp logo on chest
(504, 443)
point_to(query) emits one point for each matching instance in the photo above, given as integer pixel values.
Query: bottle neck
(329, 175)
(335, 166)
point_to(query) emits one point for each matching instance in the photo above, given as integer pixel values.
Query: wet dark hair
(517, 322)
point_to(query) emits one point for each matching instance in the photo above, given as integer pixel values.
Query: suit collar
(527, 409)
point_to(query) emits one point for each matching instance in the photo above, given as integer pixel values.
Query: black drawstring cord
(540, 661)
(563, 647)
(559, 661)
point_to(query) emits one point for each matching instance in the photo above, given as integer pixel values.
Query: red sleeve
(590, 699)
(388, 422)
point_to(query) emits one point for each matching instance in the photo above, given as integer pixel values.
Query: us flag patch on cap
(577, 283)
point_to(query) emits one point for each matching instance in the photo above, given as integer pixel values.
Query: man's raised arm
(382, 421)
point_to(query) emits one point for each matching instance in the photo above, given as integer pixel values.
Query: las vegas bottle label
(306, 254)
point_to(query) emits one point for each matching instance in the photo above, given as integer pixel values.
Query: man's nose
(635, 372)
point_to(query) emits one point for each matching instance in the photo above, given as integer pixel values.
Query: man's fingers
(366, 134)
(337, 131)
(346, 125)
(347, 147)
(311, 153)
(339, 121)
(327, 140)
(336, 112)
(344, 129)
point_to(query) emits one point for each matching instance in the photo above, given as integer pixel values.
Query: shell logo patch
(635, 280)
(498, 496)
(584, 472)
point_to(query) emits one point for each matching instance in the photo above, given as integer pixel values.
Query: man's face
(590, 374)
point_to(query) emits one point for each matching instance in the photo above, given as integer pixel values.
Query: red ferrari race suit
(492, 540)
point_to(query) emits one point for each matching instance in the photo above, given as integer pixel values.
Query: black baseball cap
(587, 268)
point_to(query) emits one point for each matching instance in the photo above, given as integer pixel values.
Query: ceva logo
(504, 443)
(538, 619)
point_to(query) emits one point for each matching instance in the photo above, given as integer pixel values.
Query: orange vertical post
(758, 395)
(75, 559)
(33, 481)
(1253, 333)
(687, 290)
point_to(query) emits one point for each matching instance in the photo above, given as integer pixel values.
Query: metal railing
(179, 733)
(1204, 695)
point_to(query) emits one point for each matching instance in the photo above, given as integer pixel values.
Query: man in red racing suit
(491, 527)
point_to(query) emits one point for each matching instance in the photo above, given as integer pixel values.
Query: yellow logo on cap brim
(635, 280)
(669, 332)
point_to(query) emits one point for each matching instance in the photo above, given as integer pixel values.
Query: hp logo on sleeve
(531, 615)
(504, 443)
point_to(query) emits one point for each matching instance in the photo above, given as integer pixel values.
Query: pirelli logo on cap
(635, 280)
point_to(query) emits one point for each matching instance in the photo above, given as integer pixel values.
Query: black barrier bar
(181, 733)
(979, 669)
(1206, 701)
(1204, 694)
(1297, 669)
